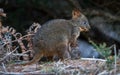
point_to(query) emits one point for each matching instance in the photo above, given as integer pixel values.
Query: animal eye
(84, 22)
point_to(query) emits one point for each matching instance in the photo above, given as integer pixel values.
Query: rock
(109, 29)
(85, 50)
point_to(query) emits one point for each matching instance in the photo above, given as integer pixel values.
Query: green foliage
(105, 52)
(102, 48)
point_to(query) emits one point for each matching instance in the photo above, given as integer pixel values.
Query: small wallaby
(55, 37)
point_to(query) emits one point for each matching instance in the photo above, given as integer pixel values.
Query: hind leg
(63, 51)
(37, 56)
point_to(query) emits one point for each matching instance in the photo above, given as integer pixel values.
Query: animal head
(80, 20)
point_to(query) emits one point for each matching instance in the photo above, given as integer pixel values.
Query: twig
(4, 68)
(26, 36)
(8, 55)
(115, 66)
(16, 40)
(93, 59)
(2, 14)
(23, 37)
(3, 45)
(19, 54)
(34, 27)
(22, 54)
(27, 73)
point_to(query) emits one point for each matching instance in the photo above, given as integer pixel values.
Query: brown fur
(56, 37)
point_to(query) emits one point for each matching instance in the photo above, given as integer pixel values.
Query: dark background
(23, 13)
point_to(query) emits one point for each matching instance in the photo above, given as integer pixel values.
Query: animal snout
(84, 29)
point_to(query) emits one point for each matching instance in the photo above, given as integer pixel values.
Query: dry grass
(84, 66)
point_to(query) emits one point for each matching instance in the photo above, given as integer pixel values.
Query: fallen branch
(8, 55)
(21, 54)
(94, 59)
(25, 73)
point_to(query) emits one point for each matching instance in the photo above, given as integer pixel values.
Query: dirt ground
(83, 66)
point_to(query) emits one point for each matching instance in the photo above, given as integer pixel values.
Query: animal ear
(76, 13)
